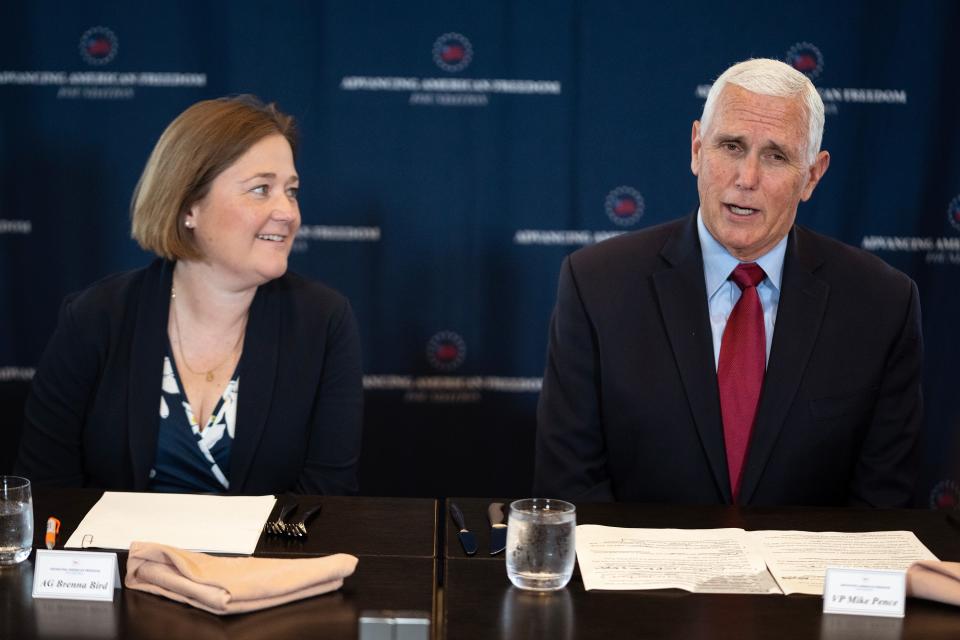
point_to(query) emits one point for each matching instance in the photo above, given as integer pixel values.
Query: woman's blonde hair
(193, 150)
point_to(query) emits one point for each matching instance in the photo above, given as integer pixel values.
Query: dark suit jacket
(92, 416)
(630, 408)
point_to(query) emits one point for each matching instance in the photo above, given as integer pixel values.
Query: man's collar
(718, 263)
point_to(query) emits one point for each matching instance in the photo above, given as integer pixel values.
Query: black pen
(954, 518)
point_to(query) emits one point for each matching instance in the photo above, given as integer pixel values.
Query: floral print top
(190, 459)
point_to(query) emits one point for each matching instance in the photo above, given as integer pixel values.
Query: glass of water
(16, 519)
(541, 543)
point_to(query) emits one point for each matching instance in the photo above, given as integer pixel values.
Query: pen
(53, 528)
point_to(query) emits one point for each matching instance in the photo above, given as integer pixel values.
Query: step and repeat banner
(451, 155)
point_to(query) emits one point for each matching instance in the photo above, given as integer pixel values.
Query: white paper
(799, 559)
(217, 524)
(734, 560)
(700, 560)
(74, 575)
(865, 592)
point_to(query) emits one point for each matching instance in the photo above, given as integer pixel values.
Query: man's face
(752, 170)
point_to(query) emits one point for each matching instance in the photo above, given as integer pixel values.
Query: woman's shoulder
(305, 306)
(111, 295)
(302, 291)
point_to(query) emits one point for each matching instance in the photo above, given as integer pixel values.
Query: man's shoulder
(843, 262)
(633, 250)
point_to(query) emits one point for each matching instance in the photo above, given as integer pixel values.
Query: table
(395, 540)
(478, 600)
(361, 526)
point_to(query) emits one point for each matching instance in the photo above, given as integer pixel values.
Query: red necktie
(743, 352)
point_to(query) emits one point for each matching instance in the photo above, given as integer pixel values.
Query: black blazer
(92, 416)
(630, 408)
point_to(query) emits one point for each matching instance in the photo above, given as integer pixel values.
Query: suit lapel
(681, 292)
(803, 300)
(258, 372)
(146, 370)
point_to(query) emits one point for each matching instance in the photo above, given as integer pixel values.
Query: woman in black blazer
(212, 369)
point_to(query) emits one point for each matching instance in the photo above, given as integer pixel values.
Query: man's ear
(695, 146)
(815, 172)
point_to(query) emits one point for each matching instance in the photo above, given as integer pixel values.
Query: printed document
(798, 560)
(734, 560)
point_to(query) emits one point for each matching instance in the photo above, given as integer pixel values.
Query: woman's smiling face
(246, 224)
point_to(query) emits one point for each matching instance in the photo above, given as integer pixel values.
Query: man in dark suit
(733, 356)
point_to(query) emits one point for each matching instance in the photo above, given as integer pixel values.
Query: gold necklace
(176, 322)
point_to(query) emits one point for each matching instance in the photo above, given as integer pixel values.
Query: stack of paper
(217, 524)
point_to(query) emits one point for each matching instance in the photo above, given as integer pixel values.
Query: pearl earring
(188, 224)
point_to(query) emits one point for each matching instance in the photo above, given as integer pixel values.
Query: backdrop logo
(805, 58)
(953, 212)
(446, 351)
(98, 45)
(452, 52)
(624, 206)
(945, 495)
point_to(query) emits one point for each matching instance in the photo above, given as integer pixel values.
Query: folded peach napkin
(232, 585)
(934, 580)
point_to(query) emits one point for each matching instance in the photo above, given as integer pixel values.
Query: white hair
(772, 78)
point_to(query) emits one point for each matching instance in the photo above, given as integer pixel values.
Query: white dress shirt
(722, 293)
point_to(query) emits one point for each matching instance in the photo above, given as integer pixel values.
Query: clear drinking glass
(541, 543)
(16, 519)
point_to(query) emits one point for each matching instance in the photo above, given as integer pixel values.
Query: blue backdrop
(452, 153)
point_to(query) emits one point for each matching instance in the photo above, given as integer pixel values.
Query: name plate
(75, 575)
(865, 592)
